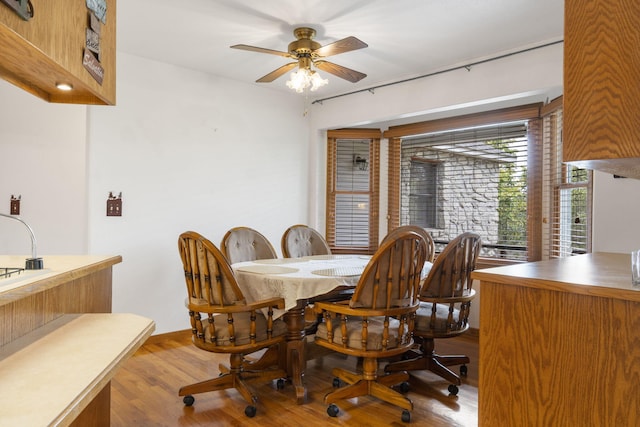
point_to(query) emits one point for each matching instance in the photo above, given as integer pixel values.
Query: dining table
(300, 282)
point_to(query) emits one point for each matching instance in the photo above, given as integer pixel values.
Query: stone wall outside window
(467, 193)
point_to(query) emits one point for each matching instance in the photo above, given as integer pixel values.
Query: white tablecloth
(297, 278)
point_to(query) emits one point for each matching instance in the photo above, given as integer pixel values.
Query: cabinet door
(602, 85)
(50, 48)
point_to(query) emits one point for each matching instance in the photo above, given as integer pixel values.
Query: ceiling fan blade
(340, 46)
(261, 50)
(277, 73)
(338, 70)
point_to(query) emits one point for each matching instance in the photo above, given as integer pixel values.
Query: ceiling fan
(306, 52)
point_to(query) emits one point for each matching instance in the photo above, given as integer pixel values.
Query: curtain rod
(466, 66)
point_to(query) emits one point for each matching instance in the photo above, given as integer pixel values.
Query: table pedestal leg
(296, 361)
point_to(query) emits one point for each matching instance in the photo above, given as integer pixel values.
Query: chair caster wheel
(463, 370)
(250, 411)
(188, 400)
(333, 410)
(453, 389)
(280, 384)
(336, 382)
(406, 416)
(404, 387)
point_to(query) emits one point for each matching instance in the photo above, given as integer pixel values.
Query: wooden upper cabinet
(602, 85)
(47, 49)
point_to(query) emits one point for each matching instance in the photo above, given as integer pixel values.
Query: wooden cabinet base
(98, 412)
(553, 358)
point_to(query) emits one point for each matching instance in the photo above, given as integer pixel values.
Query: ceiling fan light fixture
(317, 81)
(307, 53)
(305, 78)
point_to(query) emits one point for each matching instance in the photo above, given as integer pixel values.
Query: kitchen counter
(50, 376)
(68, 284)
(559, 343)
(57, 269)
(597, 274)
(60, 345)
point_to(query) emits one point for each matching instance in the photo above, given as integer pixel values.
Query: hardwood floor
(145, 392)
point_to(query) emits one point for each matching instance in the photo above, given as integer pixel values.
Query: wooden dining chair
(377, 322)
(301, 240)
(222, 321)
(246, 244)
(445, 301)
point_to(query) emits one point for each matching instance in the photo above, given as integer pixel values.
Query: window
(352, 193)
(423, 197)
(567, 192)
(352, 190)
(482, 185)
(498, 173)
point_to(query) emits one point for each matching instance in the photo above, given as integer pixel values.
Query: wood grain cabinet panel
(602, 85)
(48, 49)
(560, 343)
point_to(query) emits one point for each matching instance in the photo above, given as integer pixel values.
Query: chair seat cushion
(242, 328)
(354, 333)
(423, 317)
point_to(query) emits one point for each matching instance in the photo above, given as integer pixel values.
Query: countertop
(57, 269)
(60, 343)
(597, 274)
(50, 375)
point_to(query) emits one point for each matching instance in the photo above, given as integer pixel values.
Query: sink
(15, 275)
(6, 272)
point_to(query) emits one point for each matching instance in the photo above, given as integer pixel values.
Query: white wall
(615, 211)
(43, 157)
(514, 80)
(188, 151)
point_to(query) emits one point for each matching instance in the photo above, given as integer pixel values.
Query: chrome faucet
(33, 263)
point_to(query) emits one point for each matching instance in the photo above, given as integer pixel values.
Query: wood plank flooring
(145, 392)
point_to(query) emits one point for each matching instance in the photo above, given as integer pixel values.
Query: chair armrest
(275, 302)
(449, 300)
(342, 307)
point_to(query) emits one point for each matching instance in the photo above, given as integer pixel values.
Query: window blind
(353, 159)
(476, 181)
(567, 190)
(352, 193)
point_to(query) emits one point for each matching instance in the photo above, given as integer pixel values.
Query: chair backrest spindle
(421, 231)
(450, 275)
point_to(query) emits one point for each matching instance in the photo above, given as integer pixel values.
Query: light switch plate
(114, 205)
(15, 206)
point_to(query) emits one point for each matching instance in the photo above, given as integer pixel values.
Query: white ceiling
(406, 38)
